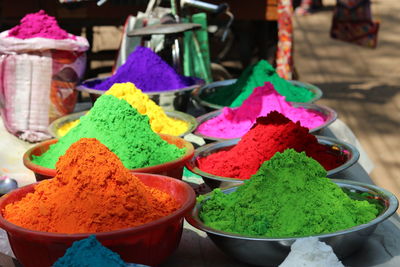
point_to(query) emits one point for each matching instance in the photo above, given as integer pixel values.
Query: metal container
(57, 124)
(214, 181)
(329, 114)
(199, 93)
(175, 99)
(272, 251)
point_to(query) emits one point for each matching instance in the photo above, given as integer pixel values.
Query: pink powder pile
(234, 123)
(39, 25)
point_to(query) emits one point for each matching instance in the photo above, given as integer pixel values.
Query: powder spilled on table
(127, 133)
(39, 24)
(289, 196)
(269, 135)
(254, 76)
(159, 121)
(234, 123)
(92, 192)
(147, 71)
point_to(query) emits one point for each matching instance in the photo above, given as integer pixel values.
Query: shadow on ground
(353, 91)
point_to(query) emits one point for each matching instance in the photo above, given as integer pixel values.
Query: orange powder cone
(92, 192)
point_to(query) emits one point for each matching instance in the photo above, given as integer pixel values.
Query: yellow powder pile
(159, 121)
(64, 129)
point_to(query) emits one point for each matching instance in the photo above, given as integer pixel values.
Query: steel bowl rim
(89, 90)
(355, 154)
(330, 118)
(193, 219)
(189, 119)
(196, 93)
(192, 166)
(52, 126)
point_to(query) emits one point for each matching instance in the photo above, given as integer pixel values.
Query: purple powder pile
(148, 72)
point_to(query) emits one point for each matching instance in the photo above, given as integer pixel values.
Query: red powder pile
(269, 135)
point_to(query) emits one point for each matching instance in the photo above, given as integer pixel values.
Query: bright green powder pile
(120, 127)
(289, 196)
(254, 76)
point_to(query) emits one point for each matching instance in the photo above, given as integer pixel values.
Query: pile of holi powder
(289, 196)
(39, 25)
(66, 127)
(147, 71)
(254, 76)
(92, 192)
(127, 133)
(269, 135)
(159, 121)
(234, 123)
(89, 252)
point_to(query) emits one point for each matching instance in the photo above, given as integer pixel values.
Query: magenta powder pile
(235, 122)
(39, 25)
(148, 71)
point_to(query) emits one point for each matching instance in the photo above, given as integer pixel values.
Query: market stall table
(196, 249)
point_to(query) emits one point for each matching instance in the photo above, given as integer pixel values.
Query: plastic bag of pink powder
(37, 82)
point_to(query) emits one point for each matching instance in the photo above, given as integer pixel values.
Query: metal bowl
(329, 114)
(199, 93)
(214, 181)
(272, 251)
(57, 124)
(174, 99)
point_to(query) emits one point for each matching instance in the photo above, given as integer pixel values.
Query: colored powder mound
(122, 129)
(254, 76)
(90, 253)
(39, 25)
(234, 123)
(269, 135)
(147, 71)
(159, 121)
(92, 192)
(289, 196)
(66, 127)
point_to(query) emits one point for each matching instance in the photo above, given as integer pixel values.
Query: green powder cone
(119, 126)
(254, 76)
(289, 196)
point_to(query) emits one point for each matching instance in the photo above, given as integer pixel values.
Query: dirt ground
(361, 84)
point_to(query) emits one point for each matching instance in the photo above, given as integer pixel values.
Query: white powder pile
(311, 252)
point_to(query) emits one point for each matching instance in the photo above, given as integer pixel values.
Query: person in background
(352, 20)
(308, 6)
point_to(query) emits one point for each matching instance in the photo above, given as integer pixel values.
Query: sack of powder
(40, 65)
